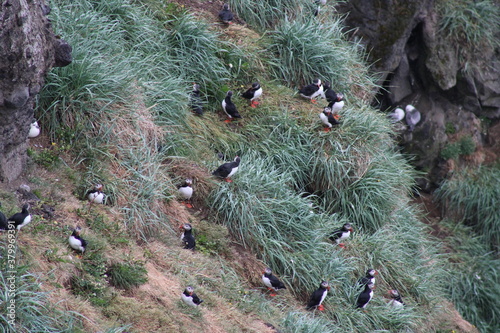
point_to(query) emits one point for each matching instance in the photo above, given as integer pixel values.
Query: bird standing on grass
(365, 297)
(186, 192)
(230, 108)
(311, 91)
(396, 300)
(21, 219)
(226, 15)
(341, 234)
(190, 298)
(271, 281)
(195, 100)
(368, 278)
(252, 94)
(328, 118)
(96, 195)
(317, 297)
(227, 170)
(413, 117)
(187, 236)
(34, 129)
(76, 242)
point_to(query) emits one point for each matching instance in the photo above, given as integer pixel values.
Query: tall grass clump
(474, 282)
(472, 197)
(302, 50)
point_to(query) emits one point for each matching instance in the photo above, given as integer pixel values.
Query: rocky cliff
(28, 49)
(418, 66)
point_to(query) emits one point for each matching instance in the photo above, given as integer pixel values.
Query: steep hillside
(120, 116)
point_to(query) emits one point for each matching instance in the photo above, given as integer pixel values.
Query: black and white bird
(190, 298)
(397, 115)
(229, 107)
(271, 281)
(319, 3)
(365, 297)
(76, 241)
(227, 170)
(187, 236)
(226, 15)
(341, 234)
(21, 219)
(96, 195)
(4, 225)
(318, 296)
(413, 117)
(252, 94)
(328, 118)
(311, 91)
(34, 129)
(335, 100)
(368, 278)
(186, 192)
(195, 100)
(396, 300)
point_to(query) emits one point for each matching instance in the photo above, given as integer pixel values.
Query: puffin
(319, 3)
(368, 278)
(254, 92)
(190, 298)
(397, 115)
(318, 297)
(195, 100)
(412, 117)
(313, 90)
(187, 236)
(4, 225)
(228, 169)
(226, 15)
(343, 233)
(21, 219)
(230, 108)
(96, 195)
(365, 297)
(328, 118)
(271, 281)
(34, 129)
(335, 100)
(186, 192)
(396, 300)
(76, 242)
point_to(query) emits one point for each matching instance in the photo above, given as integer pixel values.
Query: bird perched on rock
(230, 108)
(3, 221)
(186, 192)
(76, 242)
(396, 300)
(365, 297)
(187, 236)
(96, 195)
(190, 298)
(341, 234)
(368, 278)
(328, 118)
(228, 169)
(412, 117)
(271, 281)
(318, 296)
(21, 219)
(254, 92)
(226, 15)
(195, 100)
(397, 115)
(34, 129)
(311, 91)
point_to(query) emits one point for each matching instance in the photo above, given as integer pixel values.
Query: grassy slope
(140, 184)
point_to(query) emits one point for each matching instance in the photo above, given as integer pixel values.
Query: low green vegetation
(464, 146)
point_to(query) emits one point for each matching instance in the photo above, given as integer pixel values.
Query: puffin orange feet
(321, 307)
(342, 245)
(188, 205)
(228, 180)
(227, 120)
(313, 101)
(326, 129)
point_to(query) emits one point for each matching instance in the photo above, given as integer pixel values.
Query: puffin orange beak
(351, 230)
(376, 273)
(181, 227)
(328, 288)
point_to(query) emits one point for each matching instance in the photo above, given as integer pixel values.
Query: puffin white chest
(186, 192)
(233, 171)
(344, 235)
(34, 130)
(267, 282)
(75, 243)
(188, 300)
(337, 106)
(324, 119)
(257, 94)
(395, 303)
(323, 297)
(317, 93)
(26, 220)
(96, 197)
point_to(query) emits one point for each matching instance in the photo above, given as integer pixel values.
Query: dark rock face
(421, 68)
(28, 49)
